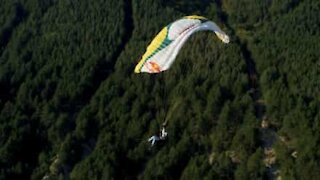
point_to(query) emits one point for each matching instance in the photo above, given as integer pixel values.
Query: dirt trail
(267, 135)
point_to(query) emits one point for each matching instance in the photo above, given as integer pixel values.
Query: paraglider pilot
(162, 136)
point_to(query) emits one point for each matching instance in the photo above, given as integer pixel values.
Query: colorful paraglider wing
(164, 48)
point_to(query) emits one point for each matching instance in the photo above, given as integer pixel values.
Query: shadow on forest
(5, 35)
(100, 72)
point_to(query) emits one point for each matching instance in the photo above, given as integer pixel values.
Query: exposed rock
(54, 167)
(270, 157)
(264, 124)
(233, 156)
(212, 158)
(294, 154)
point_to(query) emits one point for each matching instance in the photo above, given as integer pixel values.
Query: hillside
(72, 108)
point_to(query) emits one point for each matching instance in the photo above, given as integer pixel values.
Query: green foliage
(246, 13)
(71, 106)
(288, 63)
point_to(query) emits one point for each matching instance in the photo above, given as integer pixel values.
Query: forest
(71, 106)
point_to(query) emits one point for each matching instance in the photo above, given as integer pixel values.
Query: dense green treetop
(71, 106)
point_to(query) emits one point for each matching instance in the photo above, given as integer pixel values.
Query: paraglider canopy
(164, 48)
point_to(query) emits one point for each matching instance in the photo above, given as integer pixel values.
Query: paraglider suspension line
(164, 99)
